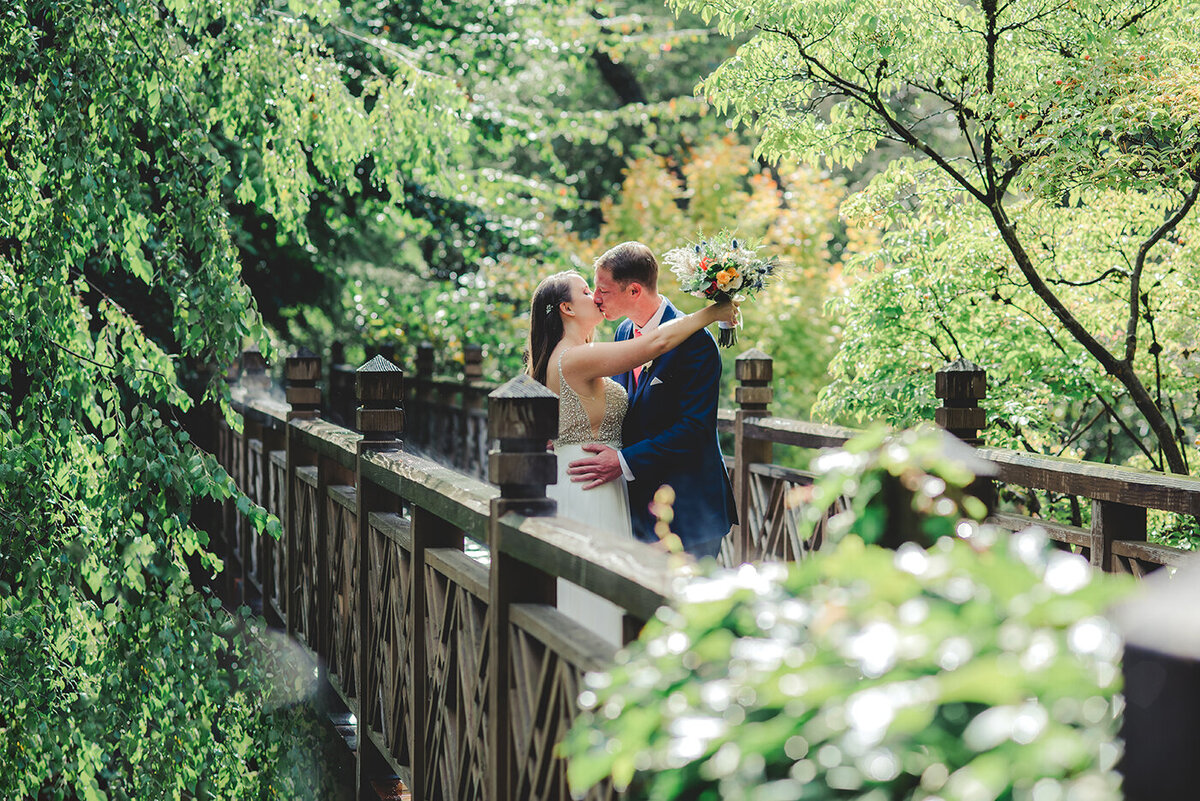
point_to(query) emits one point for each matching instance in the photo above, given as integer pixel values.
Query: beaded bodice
(574, 425)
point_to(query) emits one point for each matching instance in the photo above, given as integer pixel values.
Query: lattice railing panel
(457, 659)
(304, 594)
(255, 481)
(550, 655)
(343, 585)
(389, 644)
(777, 497)
(238, 452)
(276, 548)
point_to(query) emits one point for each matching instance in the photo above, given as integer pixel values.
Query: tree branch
(1135, 278)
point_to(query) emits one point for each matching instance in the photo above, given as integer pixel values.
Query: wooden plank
(571, 641)
(279, 459)
(263, 408)
(307, 474)
(1060, 532)
(631, 574)
(1151, 552)
(329, 440)
(789, 474)
(461, 569)
(346, 496)
(455, 497)
(1100, 482)
(394, 527)
(799, 433)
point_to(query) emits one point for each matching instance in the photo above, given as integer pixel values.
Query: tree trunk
(1120, 369)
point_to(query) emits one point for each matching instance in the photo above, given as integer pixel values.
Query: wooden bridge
(427, 593)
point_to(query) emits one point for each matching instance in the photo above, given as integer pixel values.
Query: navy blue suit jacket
(670, 437)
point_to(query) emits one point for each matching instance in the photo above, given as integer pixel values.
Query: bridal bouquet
(720, 268)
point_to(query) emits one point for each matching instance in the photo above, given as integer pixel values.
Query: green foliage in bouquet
(977, 667)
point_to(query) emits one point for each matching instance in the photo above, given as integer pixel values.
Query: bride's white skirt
(606, 507)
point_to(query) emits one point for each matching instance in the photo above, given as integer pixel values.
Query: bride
(592, 407)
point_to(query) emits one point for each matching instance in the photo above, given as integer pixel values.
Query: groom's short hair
(629, 262)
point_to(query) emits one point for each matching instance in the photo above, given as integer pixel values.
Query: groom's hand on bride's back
(600, 468)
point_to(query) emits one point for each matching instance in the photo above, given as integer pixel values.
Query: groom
(670, 429)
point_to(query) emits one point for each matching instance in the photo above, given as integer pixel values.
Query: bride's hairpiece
(549, 308)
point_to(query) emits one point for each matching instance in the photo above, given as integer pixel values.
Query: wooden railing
(429, 594)
(460, 670)
(1119, 497)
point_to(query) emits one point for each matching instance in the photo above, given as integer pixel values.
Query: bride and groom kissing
(635, 414)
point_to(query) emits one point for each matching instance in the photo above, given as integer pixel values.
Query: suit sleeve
(696, 371)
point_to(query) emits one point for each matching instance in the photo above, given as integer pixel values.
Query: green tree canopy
(1054, 171)
(127, 133)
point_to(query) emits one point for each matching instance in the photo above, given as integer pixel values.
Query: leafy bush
(976, 667)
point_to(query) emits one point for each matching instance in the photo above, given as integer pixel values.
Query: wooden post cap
(254, 378)
(753, 366)
(253, 361)
(523, 409)
(379, 387)
(303, 365)
(754, 370)
(425, 359)
(960, 380)
(301, 371)
(522, 418)
(472, 362)
(379, 381)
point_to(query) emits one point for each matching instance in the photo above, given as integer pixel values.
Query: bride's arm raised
(600, 359)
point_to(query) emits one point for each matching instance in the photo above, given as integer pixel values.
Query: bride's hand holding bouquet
(721, 268)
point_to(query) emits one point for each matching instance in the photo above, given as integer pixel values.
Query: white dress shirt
(651, 324)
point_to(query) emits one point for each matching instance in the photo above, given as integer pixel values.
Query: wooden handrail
(424, 643)
(631, 574)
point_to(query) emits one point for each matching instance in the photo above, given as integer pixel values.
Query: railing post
(340, 404)
(472, 403)
(422, 433)
(754, 371)
(301, 372)
(961, 385)
(522, 417)
(274, 438)
(1114, 521)
(254, 378)
(379, 388)
(1160, 725)
(229, 512)
(254, 381)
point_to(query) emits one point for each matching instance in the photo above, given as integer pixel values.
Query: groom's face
(613, 300)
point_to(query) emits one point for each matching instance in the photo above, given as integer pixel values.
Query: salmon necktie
(637, 371)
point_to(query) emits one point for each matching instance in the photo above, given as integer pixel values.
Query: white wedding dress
(606, 507)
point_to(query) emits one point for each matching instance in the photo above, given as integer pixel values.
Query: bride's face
(583, 304)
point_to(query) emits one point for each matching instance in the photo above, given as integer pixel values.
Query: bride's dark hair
(545, 323)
